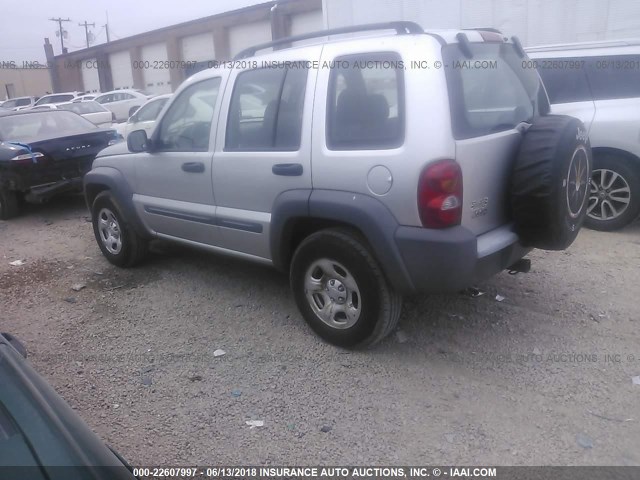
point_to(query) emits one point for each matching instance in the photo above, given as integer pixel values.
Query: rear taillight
(440, 195)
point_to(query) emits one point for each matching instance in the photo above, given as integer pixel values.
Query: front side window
(186, 126)
(493, 91)
(366, 102)
(266, 110)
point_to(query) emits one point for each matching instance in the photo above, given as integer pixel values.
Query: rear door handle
(193, 167)
(287, 169)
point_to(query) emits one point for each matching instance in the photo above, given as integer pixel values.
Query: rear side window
(491, 92)
(614, 77)
(365, 105)
(266, 110)
(564, 78)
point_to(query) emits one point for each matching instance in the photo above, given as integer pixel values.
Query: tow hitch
(521, 266)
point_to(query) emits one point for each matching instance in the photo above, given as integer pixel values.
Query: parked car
(86, 97)
(145, 117)
(92, 111)
(351, 177)
(123, 102)
(56, 98)
(14, 103)
(45, 153)
(599, 82)
(40, 433)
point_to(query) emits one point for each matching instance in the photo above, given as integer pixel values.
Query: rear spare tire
(550, 182)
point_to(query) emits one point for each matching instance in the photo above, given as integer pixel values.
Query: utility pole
(106, 27)
(86, 29)
(60, 29)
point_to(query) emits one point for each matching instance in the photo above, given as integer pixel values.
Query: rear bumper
(453, 259)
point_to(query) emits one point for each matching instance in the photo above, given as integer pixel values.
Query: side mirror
(15, 343)
(137, 141)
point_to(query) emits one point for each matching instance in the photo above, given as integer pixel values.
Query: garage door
(198, 48)
(248, 35)
(157, 80)
(121, 72)
(307, 22)
(90, 79)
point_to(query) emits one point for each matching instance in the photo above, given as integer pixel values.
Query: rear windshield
(493, 91)
(55, 99)
(82, 107)
(25, 127)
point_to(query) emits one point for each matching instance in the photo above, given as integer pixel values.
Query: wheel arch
(296, 214)
(103, 179)
(617, 152)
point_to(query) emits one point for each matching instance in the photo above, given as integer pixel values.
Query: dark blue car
(45, 153)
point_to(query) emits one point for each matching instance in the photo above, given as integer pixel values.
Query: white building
(535, 22)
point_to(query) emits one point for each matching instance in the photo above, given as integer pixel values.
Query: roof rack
(401, 28)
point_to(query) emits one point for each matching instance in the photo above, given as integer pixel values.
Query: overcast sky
(24, 23)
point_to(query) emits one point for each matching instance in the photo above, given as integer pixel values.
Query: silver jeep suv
(366, 167)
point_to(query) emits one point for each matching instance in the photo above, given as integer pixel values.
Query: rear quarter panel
(427, 127)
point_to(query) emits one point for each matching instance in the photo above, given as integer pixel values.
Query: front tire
(9, 207)
(341, 291)
(614, 197)
(119, 243)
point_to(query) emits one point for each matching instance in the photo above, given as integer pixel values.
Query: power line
(86, 29)
(60, 29)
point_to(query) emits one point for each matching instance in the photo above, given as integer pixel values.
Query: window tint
(366, 102)
(564, 85)
(187, 125)
(493, 91)
(266, 110)
(614, 76)
(10, 104)
(150, 111)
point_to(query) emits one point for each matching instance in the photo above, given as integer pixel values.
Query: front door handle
(287, 169)
(193, 167)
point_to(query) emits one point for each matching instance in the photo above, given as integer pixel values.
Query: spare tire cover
(550, 182)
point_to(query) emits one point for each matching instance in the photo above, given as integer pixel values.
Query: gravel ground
(465, 380)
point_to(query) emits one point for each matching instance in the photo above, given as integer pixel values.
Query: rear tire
(119, 243)
(341, 291)
(614, 200)
(8, 204)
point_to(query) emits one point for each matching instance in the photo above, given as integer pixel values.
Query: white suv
(600, 84)
(366, 168)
